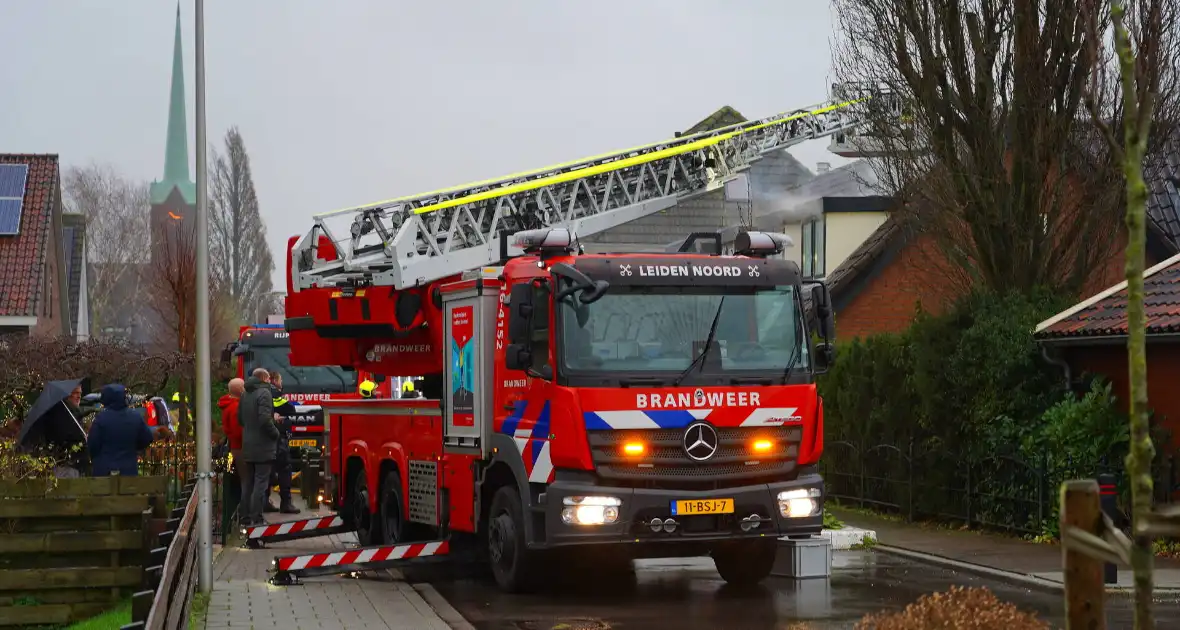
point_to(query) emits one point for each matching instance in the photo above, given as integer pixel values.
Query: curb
(1022, 579)
(442, 607)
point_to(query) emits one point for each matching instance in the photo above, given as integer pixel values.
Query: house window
(814, 235)
(738, 189)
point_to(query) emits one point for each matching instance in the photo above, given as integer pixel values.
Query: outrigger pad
(258, 535)
(287, 569)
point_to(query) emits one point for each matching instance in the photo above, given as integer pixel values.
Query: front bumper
(640, 505)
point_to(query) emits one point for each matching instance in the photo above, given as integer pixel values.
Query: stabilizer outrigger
(257, 536)
(286, 570)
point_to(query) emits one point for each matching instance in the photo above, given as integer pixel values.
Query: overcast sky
(350, 101)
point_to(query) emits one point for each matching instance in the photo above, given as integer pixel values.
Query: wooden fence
(172, 577)
(73, 548)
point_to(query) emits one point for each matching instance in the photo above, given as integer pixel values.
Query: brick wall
(887, 302)
(919, 273)
(1163, 372)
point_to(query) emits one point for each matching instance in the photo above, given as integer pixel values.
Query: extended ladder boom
(411, 241)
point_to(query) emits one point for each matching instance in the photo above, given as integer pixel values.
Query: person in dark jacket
(283, 470)
(260, 439)
(117, 435)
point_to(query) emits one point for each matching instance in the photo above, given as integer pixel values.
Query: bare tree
(116, 210)
(171, 281)
(992, 153)
(241, 261)
(1145, 45)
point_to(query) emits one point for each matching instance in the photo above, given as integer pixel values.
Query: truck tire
(513, 565)
(393, 519)
(745, 563)
(368, 528)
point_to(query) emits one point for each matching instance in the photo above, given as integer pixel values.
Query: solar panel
(12, 195)
(12, 180)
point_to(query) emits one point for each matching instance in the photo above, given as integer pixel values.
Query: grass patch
(112, 619)
(197, 610)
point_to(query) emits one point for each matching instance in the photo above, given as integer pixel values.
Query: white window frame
(813, 250)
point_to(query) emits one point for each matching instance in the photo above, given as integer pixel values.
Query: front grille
(664, 458)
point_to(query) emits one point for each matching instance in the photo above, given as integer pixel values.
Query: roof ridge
(1098, 297)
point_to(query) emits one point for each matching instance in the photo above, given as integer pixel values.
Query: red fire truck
(635, 404)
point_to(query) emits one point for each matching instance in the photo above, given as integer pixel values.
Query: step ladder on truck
(626, 405)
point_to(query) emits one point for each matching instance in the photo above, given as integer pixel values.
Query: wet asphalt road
(688, 594)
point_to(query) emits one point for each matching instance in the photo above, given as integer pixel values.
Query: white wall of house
(846, 231)
(83, 332)
(828, 239)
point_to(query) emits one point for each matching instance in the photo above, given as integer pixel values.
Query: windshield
(661, 329)
(299, 379)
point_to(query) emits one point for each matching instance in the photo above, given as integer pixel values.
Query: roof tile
(1108, 316)
(23, 257)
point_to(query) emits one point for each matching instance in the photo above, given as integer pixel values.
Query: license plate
(308, 443)
(702, 506)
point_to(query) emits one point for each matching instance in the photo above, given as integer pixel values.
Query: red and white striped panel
(294, 527)
(370, 554)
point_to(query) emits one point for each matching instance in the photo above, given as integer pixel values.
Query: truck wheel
(392, 519)
(368, 530)
(513, 565)
(745, 564)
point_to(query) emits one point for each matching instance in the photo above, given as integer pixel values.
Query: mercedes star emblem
(700, 441)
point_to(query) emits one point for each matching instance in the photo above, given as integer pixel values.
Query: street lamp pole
(204, 399)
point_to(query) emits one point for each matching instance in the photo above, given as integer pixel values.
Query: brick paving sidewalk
(992, 551)
(242, 598)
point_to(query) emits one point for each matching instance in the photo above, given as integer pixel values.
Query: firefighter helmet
(408, 386)
(366, 388)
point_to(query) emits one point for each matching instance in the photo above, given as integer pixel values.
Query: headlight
(590, 510)
(799, 503)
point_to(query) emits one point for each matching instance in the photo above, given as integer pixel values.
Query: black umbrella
(50, 420)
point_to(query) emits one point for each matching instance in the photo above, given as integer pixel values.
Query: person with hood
(229, 420)
(117, 435)
(260, 438)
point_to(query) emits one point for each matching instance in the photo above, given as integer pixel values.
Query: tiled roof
(73, 240)
(1105, 314)
(23, 257)
(1163, 181)
(723, 117)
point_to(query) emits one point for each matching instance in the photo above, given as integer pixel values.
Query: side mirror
(520, 312)
(822, 301)
(825, 357)
(517, 356)
(589, 296)
(227, 353)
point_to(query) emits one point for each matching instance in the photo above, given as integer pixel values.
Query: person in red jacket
(229, 419)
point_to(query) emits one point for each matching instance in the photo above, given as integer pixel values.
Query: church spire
(176, 172)
(176, 157)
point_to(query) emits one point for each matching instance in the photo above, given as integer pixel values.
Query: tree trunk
(1136, 126)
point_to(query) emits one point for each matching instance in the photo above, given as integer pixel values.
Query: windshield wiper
(796, 352)
(708, 343)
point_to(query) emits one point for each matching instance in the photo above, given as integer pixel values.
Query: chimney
(822, 167)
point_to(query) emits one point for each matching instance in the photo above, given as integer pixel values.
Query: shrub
(31, 361)
(957, 609)
(947, 381)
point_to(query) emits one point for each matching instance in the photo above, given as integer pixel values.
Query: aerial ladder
(413, 241)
